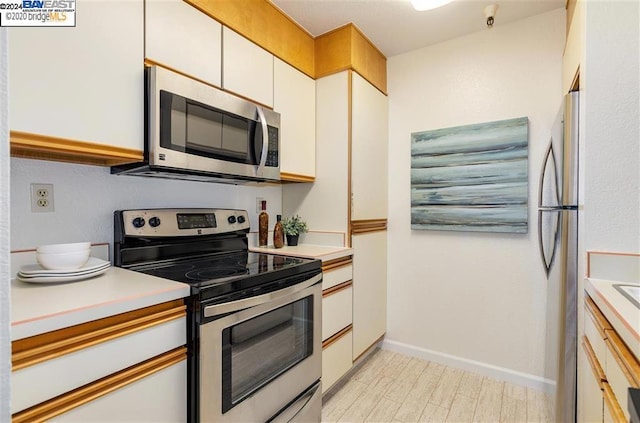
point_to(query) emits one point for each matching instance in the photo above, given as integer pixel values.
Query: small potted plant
(292, 228)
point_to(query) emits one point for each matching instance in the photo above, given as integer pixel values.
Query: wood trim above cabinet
(337, 263)
(36, 349)
(348, 48)
(43, 147)
(335, 338)
(73, 399)
(293, 177)
(267, 26)
(368, 225)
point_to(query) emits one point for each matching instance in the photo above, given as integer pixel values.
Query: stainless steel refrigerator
(558, 239)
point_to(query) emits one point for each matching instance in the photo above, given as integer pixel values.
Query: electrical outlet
(42, 198)
(259, 201)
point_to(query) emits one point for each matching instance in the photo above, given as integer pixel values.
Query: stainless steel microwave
(198, 132)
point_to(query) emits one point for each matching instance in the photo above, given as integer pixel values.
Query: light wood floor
(391, 387)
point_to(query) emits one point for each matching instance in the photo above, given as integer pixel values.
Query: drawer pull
(335, 338)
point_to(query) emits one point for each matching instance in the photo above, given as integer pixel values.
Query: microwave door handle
(265, 141)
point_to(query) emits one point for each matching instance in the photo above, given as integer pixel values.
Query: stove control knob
(138, 222)
(231, 219)
(241, 219)
(154, 222)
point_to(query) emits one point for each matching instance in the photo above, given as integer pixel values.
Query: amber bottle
(263, 226)
(278, 233)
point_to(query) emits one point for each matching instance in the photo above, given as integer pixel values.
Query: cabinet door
(369, 151)
(179, 36)
(336, 360)
(83, 83)
(159, 397)
(294, 97)
(247, 69)
(590, 400)
(369, 289)
(332, 174)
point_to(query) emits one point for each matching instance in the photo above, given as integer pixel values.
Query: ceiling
(395, 27)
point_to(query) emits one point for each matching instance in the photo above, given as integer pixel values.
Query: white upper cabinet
(181, 37)
(369, 135)
(294, 97)
(247, 69)
(83, 83)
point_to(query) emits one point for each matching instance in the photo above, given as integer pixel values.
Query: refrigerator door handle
(548, 194)
(557, 208)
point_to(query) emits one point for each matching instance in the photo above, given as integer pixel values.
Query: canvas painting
(471, 177)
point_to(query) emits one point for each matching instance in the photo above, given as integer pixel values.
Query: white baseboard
(484, 369)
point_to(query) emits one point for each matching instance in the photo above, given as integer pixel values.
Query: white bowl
(63, 261)
(64, 248)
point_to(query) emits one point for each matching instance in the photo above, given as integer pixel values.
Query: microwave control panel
(272, 152)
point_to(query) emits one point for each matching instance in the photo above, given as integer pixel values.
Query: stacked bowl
(63, 256)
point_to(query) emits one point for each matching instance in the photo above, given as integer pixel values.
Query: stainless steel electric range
(254, 326)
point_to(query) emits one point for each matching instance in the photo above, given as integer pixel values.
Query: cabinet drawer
(596, 335)
(622, 370)
(337, 309)
(151, 391)
(336, 277)
(336, 360)
(612, 412)
(93, 350)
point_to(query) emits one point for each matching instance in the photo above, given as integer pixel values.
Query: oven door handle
(297, 408)
(224, 308)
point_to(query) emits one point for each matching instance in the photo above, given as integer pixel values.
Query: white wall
(85, 198)
(477, 300)
(5, 288)
(610, 111)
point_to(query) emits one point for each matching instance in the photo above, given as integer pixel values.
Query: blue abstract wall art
(471, 177)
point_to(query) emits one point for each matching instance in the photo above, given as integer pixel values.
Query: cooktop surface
(229, 272)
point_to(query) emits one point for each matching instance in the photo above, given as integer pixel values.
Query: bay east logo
(25, 13)
(48, 4)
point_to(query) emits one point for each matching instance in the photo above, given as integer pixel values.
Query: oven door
(259, 355)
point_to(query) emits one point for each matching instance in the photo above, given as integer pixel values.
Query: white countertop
(323, 252)
(38, 308)
(623, 315)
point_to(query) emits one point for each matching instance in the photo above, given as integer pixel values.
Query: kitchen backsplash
(85, 198)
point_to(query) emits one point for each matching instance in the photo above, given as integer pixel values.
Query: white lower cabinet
(123, 368)
(337, 318)
(159, 397)
(604, 396)
(336, 360)
(369, 290)
(590, 401)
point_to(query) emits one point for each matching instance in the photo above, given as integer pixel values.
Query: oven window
(258, 350)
